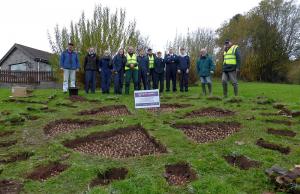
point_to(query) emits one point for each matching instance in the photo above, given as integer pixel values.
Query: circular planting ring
(112, 110)
(68, 125)
(210, 112)
(179, 174)
(165, 108)
(209, 132)
(119, 143)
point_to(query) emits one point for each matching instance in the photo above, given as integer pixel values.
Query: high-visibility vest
(151, 61)
(131, 60)
(229, 56)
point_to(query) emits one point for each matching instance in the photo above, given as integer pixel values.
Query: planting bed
(210, 112)
(113, 110)
(42, 173)
(119, 143)
(209, 132)
(179, 174)
(109, 176)
(242, 162)
(268, 145)
(169, 107)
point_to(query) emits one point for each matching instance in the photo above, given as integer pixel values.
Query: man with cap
(171, 61)
(205, 68)
(143, 64)
(91, 62)
(105, 68)
(231, 66)
(119, 62)
(131, 70)
(183, 70)
(159, 72)
(69, 63)
(151, 57)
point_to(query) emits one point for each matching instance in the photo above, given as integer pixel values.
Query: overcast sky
(27, 21)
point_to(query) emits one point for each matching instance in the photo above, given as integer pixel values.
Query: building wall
(17, 56)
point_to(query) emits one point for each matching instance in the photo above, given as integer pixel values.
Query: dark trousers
(171, 71)
(105, 80)
(159, 79)
(131, 74)
(151, 79)
(143, 77)
(118, 82)
(184, 77)
(90, 81)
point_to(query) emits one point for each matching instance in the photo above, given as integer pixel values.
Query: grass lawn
(146, 173)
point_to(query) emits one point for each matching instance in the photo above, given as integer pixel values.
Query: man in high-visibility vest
(151, 58)
(131, 70)
(231, 67)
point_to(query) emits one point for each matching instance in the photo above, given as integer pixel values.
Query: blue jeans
(90, 81)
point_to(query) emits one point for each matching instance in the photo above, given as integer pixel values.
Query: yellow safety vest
(131, 60)
(229, 56)
(151, 61)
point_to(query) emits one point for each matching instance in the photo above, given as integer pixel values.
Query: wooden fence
(27, 77)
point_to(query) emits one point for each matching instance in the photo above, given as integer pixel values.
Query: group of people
(148, 69)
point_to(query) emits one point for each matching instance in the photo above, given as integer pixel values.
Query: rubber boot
(225, 90)
(236, 89)
(209, 89)
(203, 90)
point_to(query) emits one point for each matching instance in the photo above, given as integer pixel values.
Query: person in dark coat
(171, 69)
(143, 64)
(205, 68)
(183, 69)
(119, 62)
(90, 67)
(106, 67)
(159, 72)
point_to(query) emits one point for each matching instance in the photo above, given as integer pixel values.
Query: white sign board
(146, 99)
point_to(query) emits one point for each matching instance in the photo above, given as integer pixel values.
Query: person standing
(105, 68)
(69, 63)
(131, 70)
(143, 64)
(91, 62)
(231, 67)
(119, 62)
(171, 69)
(151, 58)
(159, 72)
(183, 70)
(205, 68)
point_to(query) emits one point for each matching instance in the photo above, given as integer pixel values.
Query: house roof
(33, 53)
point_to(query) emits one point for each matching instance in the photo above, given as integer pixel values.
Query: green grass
(146, 172)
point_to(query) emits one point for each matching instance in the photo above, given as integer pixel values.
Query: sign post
(146, 99)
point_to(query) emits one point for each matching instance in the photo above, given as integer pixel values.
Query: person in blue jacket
(159, 72)
(205, 68)
(105, 68)
(69, 63)
(143, 73)
(183, 70)
(171, 69)
(119, 62)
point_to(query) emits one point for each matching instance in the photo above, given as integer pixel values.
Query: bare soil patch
(10, 187)
(112, 110)
(118, 143)
(209, 132)
(179, 174)
(42, 173)
(210, 112)
(272, 146)
(68, 125)
(242, 162)
(109, 176)
(287, 133)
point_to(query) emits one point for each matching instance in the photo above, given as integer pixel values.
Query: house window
(18, 67)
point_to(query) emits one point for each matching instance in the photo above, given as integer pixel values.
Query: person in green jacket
(205, 68)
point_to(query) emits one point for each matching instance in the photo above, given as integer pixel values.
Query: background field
(145, 175)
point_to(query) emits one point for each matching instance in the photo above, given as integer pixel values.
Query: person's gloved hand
(77, 70)
(178, 71)
(212, 72)
(187, 71)
(99, 70)
(131, 66)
